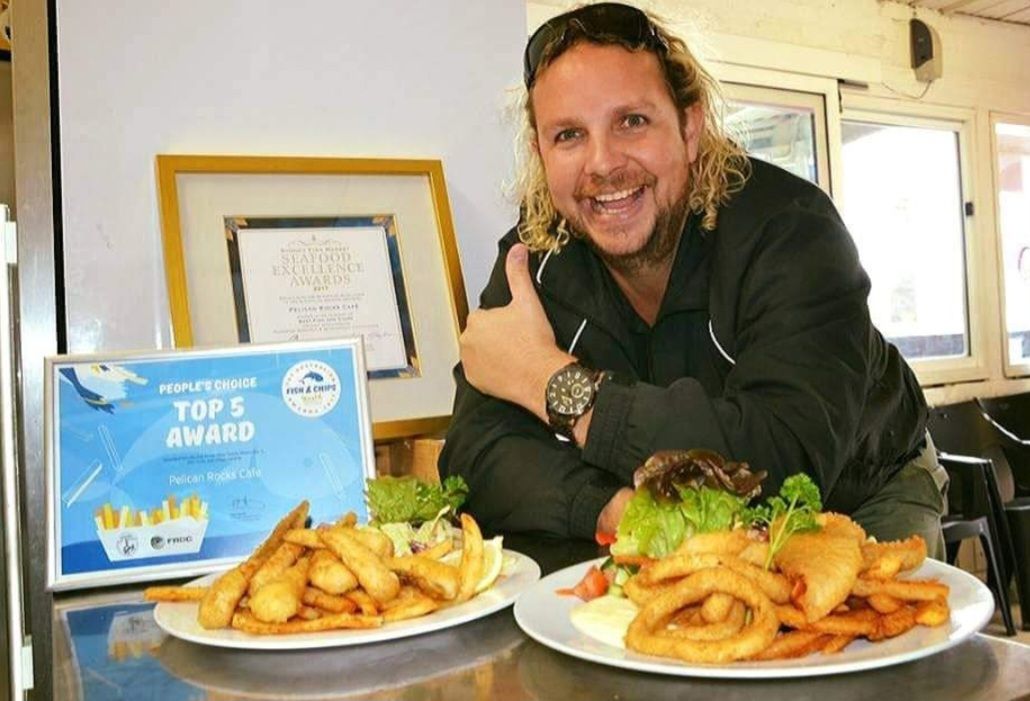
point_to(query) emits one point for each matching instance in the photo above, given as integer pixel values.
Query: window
(1012, 142)
(784, 127)
(905, 185)
(903, 205)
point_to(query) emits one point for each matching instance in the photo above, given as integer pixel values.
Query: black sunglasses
(610, 19)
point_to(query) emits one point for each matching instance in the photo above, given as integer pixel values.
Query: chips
(338, 576)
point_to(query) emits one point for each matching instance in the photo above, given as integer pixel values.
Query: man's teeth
(615, 196)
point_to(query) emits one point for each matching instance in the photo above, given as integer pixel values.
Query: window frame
(978, 269)
(1012, 370)
(828, 135)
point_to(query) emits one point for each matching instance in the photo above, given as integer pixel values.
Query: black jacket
(762, 350)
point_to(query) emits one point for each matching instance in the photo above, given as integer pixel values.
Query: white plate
(544, 616)
(180, 620)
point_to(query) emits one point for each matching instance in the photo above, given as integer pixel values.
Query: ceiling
(1015, 11)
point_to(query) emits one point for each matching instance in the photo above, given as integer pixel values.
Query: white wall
(352, 78)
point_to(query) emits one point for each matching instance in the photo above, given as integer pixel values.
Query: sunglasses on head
(605, 19)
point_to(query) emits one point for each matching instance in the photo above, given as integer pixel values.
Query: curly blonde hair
(720, 169)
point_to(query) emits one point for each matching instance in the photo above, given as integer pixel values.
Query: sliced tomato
(604, 538)
(593, 585)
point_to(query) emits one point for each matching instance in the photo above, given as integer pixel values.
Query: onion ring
(720, 630)
(775, 586)
(754, 637)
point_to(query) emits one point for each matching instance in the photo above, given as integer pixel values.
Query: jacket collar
(578, 279)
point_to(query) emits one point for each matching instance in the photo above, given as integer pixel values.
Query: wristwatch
(571, 392)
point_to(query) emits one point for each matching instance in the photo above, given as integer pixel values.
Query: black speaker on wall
(926, 50)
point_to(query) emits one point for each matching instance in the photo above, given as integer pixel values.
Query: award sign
(300, 279)
(178, 463)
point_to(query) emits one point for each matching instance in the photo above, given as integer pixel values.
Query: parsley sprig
(793, 511)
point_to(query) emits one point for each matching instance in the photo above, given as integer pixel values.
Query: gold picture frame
(201, 194)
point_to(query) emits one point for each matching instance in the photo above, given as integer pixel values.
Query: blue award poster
(178, 463)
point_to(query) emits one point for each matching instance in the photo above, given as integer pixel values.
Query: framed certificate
(168, 464)
(311, 278)
(268, 249)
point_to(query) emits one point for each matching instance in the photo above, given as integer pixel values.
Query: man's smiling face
(615, 150)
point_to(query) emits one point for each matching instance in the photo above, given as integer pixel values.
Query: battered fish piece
(219, 603)
(376, 579)
(823, 569)
(217, 607)
(281, 560)
(329, 574)
(436, 578)
(840, 526)
(281, 599)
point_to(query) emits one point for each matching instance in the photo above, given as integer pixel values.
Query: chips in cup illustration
(173, 528)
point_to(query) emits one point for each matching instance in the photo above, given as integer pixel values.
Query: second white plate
(544, 616)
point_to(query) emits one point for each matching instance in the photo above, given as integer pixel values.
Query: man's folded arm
(521, 478)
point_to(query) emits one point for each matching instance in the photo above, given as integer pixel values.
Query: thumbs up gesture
(510, 352)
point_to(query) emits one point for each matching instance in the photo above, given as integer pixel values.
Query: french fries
(174, 594)
(333, 577)
(471, 557)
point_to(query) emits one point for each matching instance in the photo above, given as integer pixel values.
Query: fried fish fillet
(840, 526)
(823, 568)
(219, 603)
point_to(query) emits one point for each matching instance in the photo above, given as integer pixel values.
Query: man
(663, 291)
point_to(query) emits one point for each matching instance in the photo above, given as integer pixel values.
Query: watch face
(571, 391)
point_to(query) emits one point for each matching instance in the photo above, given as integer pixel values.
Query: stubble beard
(659, 247)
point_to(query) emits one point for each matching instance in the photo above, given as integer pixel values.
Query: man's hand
(510, 352)
(611, 514)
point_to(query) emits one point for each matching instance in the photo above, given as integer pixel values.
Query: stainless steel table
(106, 646)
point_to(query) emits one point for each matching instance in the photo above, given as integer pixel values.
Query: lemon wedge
(493, 562)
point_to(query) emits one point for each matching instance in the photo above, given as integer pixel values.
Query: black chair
(1010, 418)
(971, 476)
(962, 430)
(1012, 412)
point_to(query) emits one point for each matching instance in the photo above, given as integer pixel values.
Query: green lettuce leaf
(707, 510)
(656, 527)
(408, 499)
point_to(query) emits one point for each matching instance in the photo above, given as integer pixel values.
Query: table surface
(107, 646)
